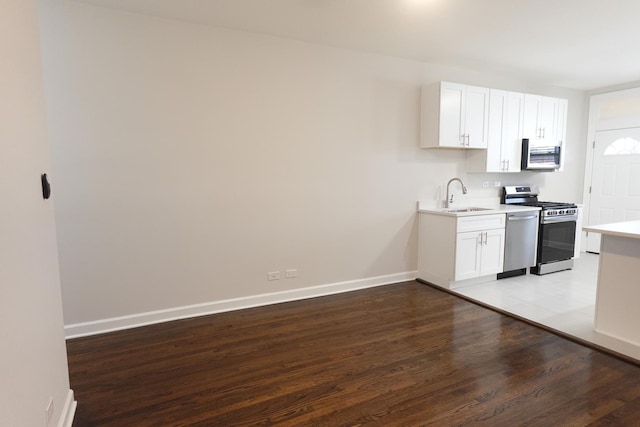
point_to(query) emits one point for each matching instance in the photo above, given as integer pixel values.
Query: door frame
(602, 116)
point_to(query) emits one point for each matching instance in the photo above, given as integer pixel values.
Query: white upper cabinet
(561, 132)
(454, 116)
(476, 116)
(512, 142)
(541, 119)
(505, 135)
(490, 120)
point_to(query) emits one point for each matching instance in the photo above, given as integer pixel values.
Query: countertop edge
(630, 229)
(501, 209)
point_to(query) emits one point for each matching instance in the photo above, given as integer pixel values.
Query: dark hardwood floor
(397, 355)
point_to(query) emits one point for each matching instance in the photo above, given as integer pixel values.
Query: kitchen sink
(465, 209)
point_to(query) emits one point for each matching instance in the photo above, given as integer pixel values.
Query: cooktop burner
(547, 205)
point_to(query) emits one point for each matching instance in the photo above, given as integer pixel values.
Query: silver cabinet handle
(508, 164)
(544, 132)
(463, 136)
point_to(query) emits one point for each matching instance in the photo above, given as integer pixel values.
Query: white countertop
(487, 210)
(629, 229)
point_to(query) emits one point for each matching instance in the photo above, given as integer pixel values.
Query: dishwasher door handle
(520, 218)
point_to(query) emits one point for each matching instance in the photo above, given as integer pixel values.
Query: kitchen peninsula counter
(630, 229)
(618, 291)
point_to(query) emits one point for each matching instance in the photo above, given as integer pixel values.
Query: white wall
(192, 160)
(33, 359)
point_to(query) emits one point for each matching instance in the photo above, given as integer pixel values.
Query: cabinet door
(492, 252)
(548, 120)
(541, 119)
(531, 128)
(504, 141)
(452, 115)
(512, 135)
(561, 127)
(561, 130)
(497, 122)
(476, 116)
(468, 246)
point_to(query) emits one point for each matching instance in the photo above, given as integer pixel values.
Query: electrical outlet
(49, 411)
(273, 275)
(497, 184)
(485, 184)
(290, 274)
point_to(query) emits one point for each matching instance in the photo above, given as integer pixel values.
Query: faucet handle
(451, 199)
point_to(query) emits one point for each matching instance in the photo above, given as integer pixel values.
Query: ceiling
(579, 44)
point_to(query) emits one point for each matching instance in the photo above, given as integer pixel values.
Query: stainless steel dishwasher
(521, 241)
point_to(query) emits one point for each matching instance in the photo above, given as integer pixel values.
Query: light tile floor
(564, 301)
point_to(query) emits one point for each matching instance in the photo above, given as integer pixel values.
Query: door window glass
(623, 146)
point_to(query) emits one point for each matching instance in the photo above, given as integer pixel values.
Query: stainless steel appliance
(557, 230)
(542, 158)
(521, 242)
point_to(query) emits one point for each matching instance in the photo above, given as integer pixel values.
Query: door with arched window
(615, 180)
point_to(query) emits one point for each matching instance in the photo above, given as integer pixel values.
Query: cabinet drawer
(480, 222)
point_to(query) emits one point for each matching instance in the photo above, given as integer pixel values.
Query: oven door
(556, 241)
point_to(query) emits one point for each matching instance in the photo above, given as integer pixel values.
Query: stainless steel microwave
(541, 158)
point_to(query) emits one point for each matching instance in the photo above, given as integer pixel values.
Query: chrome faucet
(450, 199)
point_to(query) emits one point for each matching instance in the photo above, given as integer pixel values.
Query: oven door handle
(559, 219)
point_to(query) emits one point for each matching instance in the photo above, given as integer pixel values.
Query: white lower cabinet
(456, 250)
(479, 253)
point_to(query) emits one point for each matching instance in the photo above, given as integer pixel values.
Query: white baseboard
(68, 411)
(77, 330)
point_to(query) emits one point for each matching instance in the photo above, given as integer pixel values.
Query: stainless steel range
(557, 230)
